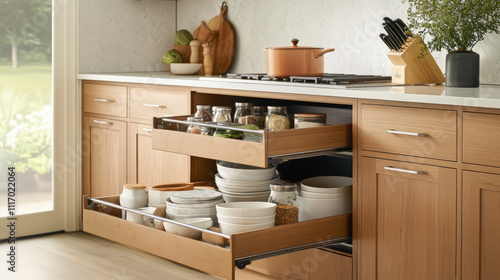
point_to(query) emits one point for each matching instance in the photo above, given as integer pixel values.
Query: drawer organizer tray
(282, 144)
(102, 217)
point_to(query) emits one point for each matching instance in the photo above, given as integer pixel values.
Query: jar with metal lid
(260, 116)
(204, 112)
(244, 113)
(309, 120)
(287, 208)
(277, 118)
(222, 114)
(193, 128)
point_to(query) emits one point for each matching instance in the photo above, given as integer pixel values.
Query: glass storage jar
(277, 118)
(244, 113)
(287, 208)
(227, 133)
(222, 114)
(193, 128)
(204, 112)
(260, 116)
(309, 120)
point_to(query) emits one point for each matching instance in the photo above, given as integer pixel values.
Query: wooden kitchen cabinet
(481, 226)
(408, 221)
(104, 149)
(152, 167)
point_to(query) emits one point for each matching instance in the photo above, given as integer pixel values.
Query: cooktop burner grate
(328, 78)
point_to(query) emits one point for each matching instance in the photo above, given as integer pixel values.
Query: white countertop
(487, 96)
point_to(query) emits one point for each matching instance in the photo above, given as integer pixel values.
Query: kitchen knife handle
(404, 27)
(155, 106)
(382, 36)
(392, 42)
(418, 134)
(399, 32)
(103, 100)
(390, 168)
(392, 33)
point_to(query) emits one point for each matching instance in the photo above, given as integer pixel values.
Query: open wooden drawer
(274, 143)
(106, 222)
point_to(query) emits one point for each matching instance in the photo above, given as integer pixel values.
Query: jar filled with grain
(222, 114)
(306, 120)
(287, 208)
(194, 128)
(277, 118)
(244, 113)
(204, 112)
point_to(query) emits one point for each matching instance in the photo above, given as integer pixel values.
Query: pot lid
(294, 47)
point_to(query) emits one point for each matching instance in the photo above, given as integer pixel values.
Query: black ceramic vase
(462, 69)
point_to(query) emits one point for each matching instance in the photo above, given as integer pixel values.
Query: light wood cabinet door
(153, 167)
(408, 221)
(481, 226)
(104, 157)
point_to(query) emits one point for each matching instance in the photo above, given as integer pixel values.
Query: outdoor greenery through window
(26, 113)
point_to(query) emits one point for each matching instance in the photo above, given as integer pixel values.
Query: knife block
(410, 68)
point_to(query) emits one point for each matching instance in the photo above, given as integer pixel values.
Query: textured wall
(351, 27)
(124, 35)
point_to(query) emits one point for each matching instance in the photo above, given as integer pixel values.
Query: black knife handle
(397, 30)
(392, 34)
(382, 36)
(404, 27)
(390, 42)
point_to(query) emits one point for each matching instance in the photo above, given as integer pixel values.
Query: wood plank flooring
(79, 255)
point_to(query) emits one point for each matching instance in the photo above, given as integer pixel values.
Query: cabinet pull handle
(147, 129)
(392, 131)
(103, 100)
(390, 168)
(102, 122)
(155, 105)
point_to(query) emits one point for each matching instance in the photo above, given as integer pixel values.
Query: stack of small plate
(239, 183)
(197, 203)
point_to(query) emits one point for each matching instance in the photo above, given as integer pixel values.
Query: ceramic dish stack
(198, 203)
(324, 196)
(236, 217)
(239, 183)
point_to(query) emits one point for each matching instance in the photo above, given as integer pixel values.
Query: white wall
(124, 35)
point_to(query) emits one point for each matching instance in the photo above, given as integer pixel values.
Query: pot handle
(318, 54)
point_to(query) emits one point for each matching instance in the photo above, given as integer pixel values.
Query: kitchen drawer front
(105, 99)
(426, 133)
(106, 222)
(480, 138)
(146, 103)
(275, 143)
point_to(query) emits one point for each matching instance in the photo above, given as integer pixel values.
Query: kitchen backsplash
(138, 32)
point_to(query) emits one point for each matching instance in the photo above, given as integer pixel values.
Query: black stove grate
(329, 78)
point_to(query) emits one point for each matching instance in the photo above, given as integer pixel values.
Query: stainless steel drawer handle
(103, 100)
(390, 168)
(147, 129)
(155, 106)
(392, 131)
(102, 122)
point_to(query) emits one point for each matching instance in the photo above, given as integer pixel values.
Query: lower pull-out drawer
(106, 222)
(274, 143)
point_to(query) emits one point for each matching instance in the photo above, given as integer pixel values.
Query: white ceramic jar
(134, 196)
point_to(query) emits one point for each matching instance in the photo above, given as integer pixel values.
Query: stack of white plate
(239, 183)
(198, 203)
(236, 217)
(324, 196)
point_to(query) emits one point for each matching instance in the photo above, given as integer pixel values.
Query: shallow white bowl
(231, 189)
(246, 220)
(246, 209)
(241, 198)
(229, 228)
(240, 172)
(220, 180)
(185, 68)
(327, 184)
(307, 194)
(190, 206)
(186, 211)
(315, 208)
(188, 232)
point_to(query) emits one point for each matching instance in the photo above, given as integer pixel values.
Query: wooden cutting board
(224, 48)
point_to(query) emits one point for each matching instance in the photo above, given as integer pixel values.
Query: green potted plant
(456, 26)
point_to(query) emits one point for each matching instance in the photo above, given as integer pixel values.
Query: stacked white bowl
(324, 196)
(198, 203)
(239, 182)
(236, 217)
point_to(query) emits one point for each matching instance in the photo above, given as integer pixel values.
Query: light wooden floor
(79, 255)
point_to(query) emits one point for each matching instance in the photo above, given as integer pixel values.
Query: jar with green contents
(228, 133)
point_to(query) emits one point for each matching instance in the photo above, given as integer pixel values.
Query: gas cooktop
(326, 81)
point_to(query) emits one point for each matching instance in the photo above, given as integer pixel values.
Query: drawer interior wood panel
(440, 127)
(480, 138)
(253, 153)
(105, 99)
(146, 103)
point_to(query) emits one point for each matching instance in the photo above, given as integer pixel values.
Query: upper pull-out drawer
(480, 137)
(148, 102)
(274, 143)
(105, 99)
(427, 133)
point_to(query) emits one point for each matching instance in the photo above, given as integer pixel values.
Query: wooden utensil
(204, 35)
(207, 59)
(224, 45)
(195, 51)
